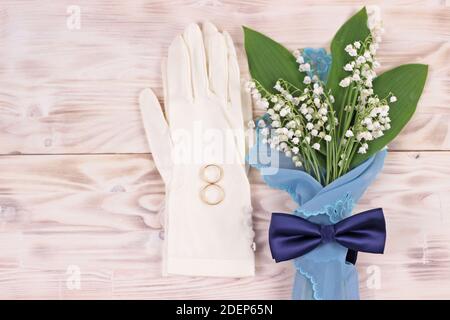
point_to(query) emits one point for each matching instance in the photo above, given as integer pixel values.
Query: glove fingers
(178, 82)
(235, 109)
(165, 90)
(157, 133)
(216, 50)
(234, 82)
(247, 113)
(194, 42)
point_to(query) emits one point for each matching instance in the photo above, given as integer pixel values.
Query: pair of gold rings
(212, 193)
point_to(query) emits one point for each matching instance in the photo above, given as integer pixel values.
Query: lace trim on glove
(336, 212)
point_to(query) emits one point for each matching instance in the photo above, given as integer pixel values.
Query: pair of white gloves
(198, 146)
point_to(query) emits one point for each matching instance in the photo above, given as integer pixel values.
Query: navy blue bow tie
(291, 236)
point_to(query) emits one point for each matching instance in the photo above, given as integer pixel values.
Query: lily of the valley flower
(302, 122)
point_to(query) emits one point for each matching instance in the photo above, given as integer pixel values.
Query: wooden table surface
(79, 193)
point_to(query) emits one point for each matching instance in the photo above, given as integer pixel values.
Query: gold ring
(218, 188)
(204, 177)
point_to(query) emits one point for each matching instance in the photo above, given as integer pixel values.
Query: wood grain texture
(100, 213)
(78, 188)
(75, 91)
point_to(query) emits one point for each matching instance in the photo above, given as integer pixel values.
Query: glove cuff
(210, 267)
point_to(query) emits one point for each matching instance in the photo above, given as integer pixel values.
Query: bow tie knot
(327, 233)
(291, 236)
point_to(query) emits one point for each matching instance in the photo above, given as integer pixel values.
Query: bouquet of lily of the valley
(322, 138)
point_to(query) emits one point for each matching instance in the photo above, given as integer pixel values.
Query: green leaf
(269, 61)
(355, 29)
(406, 83)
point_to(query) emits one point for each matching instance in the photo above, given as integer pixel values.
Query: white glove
(203, 125)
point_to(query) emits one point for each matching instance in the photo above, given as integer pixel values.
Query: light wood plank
(75, 91)
(91, 211)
